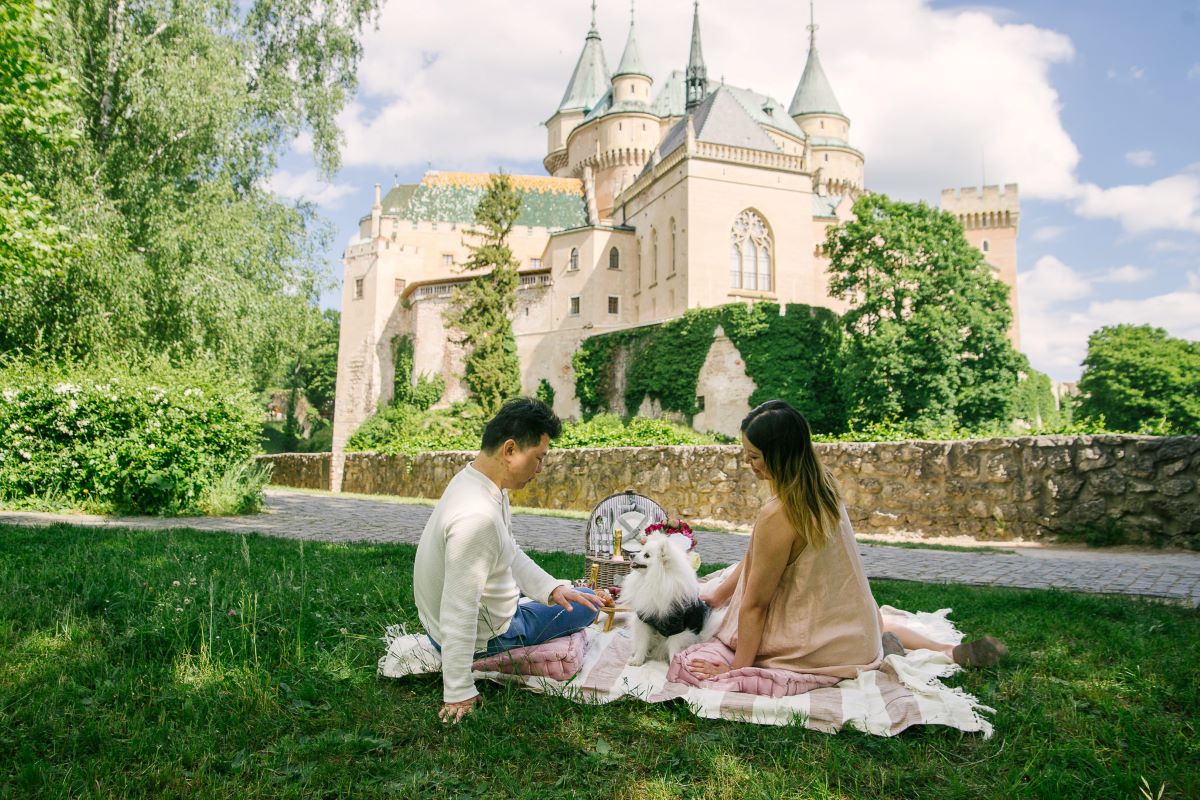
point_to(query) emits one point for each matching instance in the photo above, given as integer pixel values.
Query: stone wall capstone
(991, 489)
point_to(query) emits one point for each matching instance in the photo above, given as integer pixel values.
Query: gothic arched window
(750, 256)
(614, 259)
(671, 271)
(653, 256)
(574, 258)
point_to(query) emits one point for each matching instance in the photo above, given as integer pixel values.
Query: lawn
(183, 664)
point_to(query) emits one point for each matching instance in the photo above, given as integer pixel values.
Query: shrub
(145, 443)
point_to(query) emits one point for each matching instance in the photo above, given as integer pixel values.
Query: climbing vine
(794, 357)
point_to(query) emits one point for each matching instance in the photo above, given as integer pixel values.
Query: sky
(1091, 107)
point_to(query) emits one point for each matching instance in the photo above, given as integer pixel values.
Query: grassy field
(185, 664)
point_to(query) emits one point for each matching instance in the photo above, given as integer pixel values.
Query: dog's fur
(664, 594)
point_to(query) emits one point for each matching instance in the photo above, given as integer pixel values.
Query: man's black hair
(522, 419)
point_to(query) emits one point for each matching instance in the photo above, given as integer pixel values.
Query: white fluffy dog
(664, 594)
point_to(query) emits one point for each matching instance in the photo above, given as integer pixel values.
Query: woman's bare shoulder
(772, 519)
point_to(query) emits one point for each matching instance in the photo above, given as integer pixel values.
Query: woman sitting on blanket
(800, 599)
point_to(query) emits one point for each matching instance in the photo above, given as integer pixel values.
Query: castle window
(750, 249)
(399, 286)
(614, 258)
(827, 156)
(614, 304)
(672, 271)
(414, 224)
(985, 245)
(535, 263)
(574, 259)
(575, 306)
(653, 256)
(358, 288)
(433, 226)
(447, 259)
(822, 123)
(700, 402)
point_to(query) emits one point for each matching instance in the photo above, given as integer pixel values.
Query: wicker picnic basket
(627, 512)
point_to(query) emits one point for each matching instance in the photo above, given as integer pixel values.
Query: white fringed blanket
(904, 691)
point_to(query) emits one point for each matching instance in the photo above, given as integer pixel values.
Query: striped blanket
(904, 691)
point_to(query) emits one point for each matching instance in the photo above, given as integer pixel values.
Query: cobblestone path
(1169, 575)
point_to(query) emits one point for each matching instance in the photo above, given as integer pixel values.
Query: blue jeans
(535, 623)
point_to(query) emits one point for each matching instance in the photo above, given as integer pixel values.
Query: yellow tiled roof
(525, 183)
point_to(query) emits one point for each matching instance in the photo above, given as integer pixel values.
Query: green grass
(117, 682)
(996, 551)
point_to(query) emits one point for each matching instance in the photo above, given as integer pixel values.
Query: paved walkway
(1173, 575)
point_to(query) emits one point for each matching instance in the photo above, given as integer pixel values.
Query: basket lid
(631, 511)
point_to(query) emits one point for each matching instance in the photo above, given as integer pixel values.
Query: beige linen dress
(822, 619)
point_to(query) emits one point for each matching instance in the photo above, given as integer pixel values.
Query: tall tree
(1137, 377)
(927, 324)
(181, 111)
(484, 306)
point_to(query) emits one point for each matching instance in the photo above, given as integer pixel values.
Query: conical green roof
(590, 79)
(631, 59)
(814, 95)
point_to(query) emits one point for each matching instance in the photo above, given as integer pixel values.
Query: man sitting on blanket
(470, 572)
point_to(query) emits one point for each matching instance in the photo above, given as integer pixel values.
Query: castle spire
(813, 95)
(697, 74)
(631, 59)
(591, 78)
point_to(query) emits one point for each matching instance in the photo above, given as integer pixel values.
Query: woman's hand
(713, 598)
(707, 670)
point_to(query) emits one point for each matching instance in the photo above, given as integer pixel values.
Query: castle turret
(989, 219)
(697, 74)
(631, 82)
(589, 82)
(836, 166)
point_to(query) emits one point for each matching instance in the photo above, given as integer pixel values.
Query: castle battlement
(994, 207)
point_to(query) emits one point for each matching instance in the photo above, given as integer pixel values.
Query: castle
(689, 194)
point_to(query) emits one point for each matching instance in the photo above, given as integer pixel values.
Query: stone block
(1176, 487)
(1109, 482)
(1174, 467)
(1092, 458)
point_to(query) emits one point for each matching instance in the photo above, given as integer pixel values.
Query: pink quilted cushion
(557, 659)
(749, 680)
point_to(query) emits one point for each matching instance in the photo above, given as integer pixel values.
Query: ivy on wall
(794, 357)
(422, 393)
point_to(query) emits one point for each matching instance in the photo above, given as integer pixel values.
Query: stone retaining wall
(989, 488)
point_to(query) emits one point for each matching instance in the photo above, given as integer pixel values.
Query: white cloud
(1057, 315)
(934, 96)
(1049, 283)
(1194, 72)
(303, 143)
(1140, 158)
(1048, 233)
(1171, 203)
(1137, 73)
(1126, 274)
(309, 186)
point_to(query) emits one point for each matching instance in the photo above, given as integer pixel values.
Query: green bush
(408, 430)
(100, 438)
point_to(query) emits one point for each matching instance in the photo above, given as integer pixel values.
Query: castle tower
(836, 166)
(589, 82)
(697, 74)
(631, 82)
(989, 219)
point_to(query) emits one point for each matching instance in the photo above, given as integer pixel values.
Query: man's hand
(565, 595)
(453, 712)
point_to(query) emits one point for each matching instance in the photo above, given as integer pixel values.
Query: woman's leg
(983, 652)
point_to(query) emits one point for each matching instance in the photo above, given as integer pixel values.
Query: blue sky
(1093, 108)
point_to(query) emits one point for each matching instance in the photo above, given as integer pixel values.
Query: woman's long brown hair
(804, 486)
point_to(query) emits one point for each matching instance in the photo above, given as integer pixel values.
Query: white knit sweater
(469, 574)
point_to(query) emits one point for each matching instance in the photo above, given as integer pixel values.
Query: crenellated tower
(990, 218)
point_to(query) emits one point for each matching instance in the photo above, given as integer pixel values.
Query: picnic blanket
(904, 691)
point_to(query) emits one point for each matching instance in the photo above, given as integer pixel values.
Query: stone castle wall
(993, 489)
